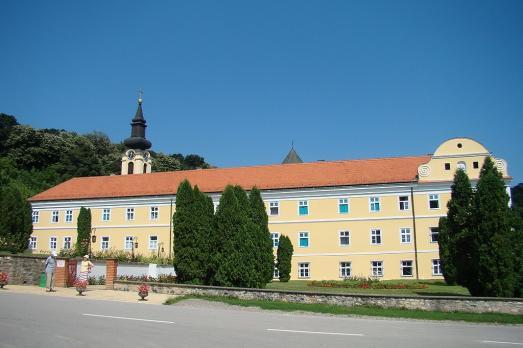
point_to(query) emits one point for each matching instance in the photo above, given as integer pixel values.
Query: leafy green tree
(83, 228)
(7, 122)
(264, 257)
(284, 258)
(454, 231)
(517, 199)
(15, 219)
(165, 163)
(491, 251)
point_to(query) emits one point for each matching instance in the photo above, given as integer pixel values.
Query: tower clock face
(146, 156)
(130, 154)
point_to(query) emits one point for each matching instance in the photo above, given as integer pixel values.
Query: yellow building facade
(367, 218)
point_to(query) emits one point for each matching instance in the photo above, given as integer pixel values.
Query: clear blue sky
(236, 81)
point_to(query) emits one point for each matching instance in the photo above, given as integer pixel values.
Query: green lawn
(434, 288)
(362, 310)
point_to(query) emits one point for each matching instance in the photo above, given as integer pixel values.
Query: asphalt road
(44, 321)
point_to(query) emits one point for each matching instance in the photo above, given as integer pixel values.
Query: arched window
(130, 168)
(462, 165)
(145, 168)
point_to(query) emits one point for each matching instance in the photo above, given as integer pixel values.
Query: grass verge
(498, 318)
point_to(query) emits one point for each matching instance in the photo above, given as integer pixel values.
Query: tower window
(145, 168)
(130, 168)
(447, 166)
(475, 164)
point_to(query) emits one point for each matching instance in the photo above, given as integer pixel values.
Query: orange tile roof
(269, 177)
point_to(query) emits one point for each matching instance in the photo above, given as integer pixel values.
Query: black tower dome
(138, 125)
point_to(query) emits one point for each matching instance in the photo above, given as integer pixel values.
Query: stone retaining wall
(429, 303)
(22, 269)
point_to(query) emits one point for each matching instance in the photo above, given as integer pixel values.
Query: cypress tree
(493, 257)
(185, 255)
(83, 228)
(454, 231)
(233, 244)
(284, 258)
(15, 220)
(202, 222)
(264, 257)
(516, 223)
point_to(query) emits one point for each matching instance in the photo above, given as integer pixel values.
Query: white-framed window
(52, 243)
(36, 216)
(436, 267)
(275, 272)
(67, 242)
(345, 269)
(374, 204)
(154, 213)
(106, 214)
(405, 236)
(406, 268)
(303, 240)
(32, 243)
(375, 236)
(344, 238)
(403, 202)
(376, 268)
(55, 216)
(104, 243)
(128, 245)
(129, 215)
(434, 201)
(304, 270)
(69, 215)
(343, 206)
(434, 234)
(303, 207)
(153, 242)
(275, 236)
(274, 208)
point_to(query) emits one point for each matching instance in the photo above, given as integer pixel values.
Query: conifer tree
(232, 264)
(493, 256)
(183, 235)
(83, 229)
(264, 257)
(15, 220)
(454, 231)
(284, 258)
(203, 223)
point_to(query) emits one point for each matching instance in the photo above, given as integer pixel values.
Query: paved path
(61, 319)
(94, 292)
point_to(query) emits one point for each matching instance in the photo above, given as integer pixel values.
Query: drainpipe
(171, 230)
(414, 228)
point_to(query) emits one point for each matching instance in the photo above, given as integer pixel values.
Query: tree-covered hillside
(37, 159)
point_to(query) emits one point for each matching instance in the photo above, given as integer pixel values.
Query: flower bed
(366, 283)
(162, 278)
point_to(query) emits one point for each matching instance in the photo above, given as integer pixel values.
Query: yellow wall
(323, 223)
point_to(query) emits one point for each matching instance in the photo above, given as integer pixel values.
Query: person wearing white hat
(85, 268)
(50, 267)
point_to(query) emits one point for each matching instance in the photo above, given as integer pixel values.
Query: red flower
(4, 277)
(143, 288)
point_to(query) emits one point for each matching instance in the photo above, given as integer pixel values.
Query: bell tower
(137, 160)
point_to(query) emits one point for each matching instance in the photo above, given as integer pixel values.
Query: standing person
(50, 267)
(85, 268)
